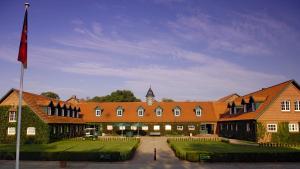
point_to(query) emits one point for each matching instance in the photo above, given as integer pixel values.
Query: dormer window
(198, 111)
(68, 113)
(245, 108)
(56, 111)
(49, 111)
(98, 112)
(285, 105)
(119, 111)
(234, 110)
(140, 111)
(158, 111)
(253, 106)
(62, 112)
(177, 111)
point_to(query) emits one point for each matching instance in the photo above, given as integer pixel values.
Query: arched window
(158, 111)
(177, 111)
(140, 111)
(198, 111)
(98, 111)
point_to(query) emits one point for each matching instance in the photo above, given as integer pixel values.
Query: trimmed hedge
(239, 156)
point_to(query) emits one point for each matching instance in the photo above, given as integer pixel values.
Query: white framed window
(133, 127)
(68, 113)
(227, 126)
(297, 105)
(61, 129)
(62, 112)
(158, 111)
(230, 110)
(198, 111)
(140, 112)
(293, 127)
(12, 116)
(245, 108)
(168, 127)
(180, 128)
(98, 112)
(234, 110)
(156, 127)
(30, 131)
(285, 105)
(73, 113)
(122, 127)
(54, 130)
(203, 127)
(272, 128)
(119, 112)
(247, 127)
(109, 127)
(145, 128)
(11, 131)
(56, 111)
(191, 127)
(49, 111)
(253, 106)
(176, 111)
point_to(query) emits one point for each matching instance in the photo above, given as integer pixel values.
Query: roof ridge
(266, 88)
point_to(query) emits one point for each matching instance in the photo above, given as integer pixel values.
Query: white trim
(285, 106)
(168, 127)
(98, 112)
(156, 127)
(119, 112)
(30, 131)
(297, 105)
(12, 116)
(140, 112)
(122, 127)
(191, 127)
(180, 128)
(293, 127)
(145, 128)
(158, 112)
(177, 112)
(133, 127)
(198, 111)
(11, 131)
(109, 127)
(272, 128)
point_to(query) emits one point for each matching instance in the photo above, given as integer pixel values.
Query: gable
(11, 99)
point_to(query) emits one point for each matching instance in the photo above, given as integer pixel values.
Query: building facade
(268, 115)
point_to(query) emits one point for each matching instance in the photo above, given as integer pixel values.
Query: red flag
(22, 57)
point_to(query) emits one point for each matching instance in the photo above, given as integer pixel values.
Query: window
(198, 111)
(56, 111)
(68, 113)
(119, 112)
(179, 127)
(156, 127)
(247, 127)
(30, 131)
(73, 113)
(168, 127)
(62, 112)
(54, 129)
(158, 111)
(227, 126)
(293, 127)
(297, 105)
(122, 127)
(11, 131)
(191, 127)
(176, 111)
(231, 127)
(234, 110)
(230, 110)
(98, 112)
(221, 127)
(133, 127)
(272, 127)
(253, 106)
(140, 111)
(236, 127)
(245, 108)
(109, 127)
(203, 127)
(144, 127)
(285, 105)
(12, 116)
(67, 129)
(61, 129)
(49, 111)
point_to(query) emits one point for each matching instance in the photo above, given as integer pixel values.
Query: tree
(51, 95)
(117, 96)
(167, 100)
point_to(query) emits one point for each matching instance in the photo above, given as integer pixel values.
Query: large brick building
(255, 116)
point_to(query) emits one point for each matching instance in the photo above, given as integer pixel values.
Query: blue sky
(186, 50)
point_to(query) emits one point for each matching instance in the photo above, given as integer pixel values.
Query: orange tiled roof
(130, 112)
(265, 95)
(35, 102)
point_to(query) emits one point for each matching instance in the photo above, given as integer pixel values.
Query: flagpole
(20, 111)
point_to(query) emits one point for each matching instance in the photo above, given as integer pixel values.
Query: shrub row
(278, 145)
(194, 139)
(105, 139)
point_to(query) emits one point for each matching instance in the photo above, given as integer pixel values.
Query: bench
(154, 134)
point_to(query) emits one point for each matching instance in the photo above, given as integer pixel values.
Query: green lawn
(84, 147)
(220, 151)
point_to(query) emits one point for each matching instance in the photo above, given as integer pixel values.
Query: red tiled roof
(35, 102)
(265, 95)
(130, 112)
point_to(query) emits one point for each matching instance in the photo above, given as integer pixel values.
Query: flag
(22, 57)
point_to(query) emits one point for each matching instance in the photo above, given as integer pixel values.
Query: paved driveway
(143, 159)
